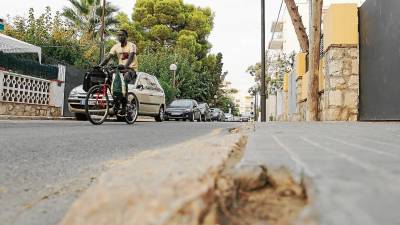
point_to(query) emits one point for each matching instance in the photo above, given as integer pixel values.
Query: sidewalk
(354, 168)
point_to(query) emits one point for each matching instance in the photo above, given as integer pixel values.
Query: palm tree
(85, 16)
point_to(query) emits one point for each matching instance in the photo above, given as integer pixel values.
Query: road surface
(46, 165)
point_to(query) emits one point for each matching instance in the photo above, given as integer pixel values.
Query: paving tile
(354, 167)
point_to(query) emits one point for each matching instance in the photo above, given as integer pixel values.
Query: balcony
(278, 26)
(276, 45)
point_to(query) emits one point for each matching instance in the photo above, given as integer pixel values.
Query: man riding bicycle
(125, 51)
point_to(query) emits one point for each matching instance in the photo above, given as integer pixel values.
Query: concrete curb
(174, 185)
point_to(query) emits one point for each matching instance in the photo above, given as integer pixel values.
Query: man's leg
(128, 77)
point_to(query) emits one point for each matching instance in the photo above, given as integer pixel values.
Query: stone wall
(20, 109)
(339, 90)
(341, 94)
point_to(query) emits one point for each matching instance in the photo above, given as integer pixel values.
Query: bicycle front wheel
(97, 104)
(132, 111)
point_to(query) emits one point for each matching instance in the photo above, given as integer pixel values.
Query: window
(154, 84)
(144, 80)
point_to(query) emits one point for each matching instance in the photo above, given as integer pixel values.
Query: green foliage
(27, 66)
(58, 43)
(199, 80)
(276, 67)
(224, 103)
(168, 24)
(170, 31)
(165, 32)
(85, 17)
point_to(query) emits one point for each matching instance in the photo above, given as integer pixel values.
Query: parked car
(217, 114)
(246, 117)
(237, 119)
(205, 112)
(185, 109)
(147, 89)
(228, 117)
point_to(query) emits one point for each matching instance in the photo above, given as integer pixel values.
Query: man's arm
(106, 60)
(132, 56)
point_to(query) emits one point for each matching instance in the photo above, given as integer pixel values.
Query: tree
(171, 23)
(277, 66)
(59, 43)
(313, 49)
(314, 57)
(84, 16)
(170, 31)
(298, 24)
(199, 80)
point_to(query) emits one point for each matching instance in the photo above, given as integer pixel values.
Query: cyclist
(125, 51)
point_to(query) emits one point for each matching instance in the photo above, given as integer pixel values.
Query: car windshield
(181, 103)
(214, 110)
(202, 105)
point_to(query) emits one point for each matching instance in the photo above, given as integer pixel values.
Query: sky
(236, 33)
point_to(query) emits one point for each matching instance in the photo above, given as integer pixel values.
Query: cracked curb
(174, 185)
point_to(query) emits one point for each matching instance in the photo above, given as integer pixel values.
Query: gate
(73, 78)
(380, 60)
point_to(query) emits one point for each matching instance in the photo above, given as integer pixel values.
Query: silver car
(147, 89)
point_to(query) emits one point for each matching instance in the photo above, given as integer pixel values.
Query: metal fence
(73, 78)
(379, 60)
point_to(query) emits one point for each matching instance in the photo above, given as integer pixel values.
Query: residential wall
(339, 69)
(21, 109)
(22, 95)
(341, 95)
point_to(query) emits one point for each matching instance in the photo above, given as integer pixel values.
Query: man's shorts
(130, 76)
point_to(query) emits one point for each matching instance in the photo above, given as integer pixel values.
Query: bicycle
(100, 103)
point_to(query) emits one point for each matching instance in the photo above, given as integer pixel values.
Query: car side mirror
(140, 87)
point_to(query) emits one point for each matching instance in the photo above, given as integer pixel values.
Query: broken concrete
(167, 186)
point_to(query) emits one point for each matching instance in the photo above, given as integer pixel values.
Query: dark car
(185, 109)
(205, 112)
(217, 114)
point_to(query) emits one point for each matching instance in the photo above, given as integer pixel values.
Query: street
(46, 165)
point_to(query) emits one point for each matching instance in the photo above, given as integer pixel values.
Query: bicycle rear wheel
(97, 104)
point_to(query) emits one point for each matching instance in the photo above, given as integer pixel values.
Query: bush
(28, 67)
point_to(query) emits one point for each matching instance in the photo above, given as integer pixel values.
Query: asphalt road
(45, 165)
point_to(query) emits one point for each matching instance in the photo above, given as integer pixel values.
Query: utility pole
(263, 94)
(103, 28)
(255, 106)
(314, 57)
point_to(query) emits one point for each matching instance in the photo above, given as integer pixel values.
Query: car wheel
(161, 114)
(80, 117)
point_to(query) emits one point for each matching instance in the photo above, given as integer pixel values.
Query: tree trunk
(314, 57)
(298, 24)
